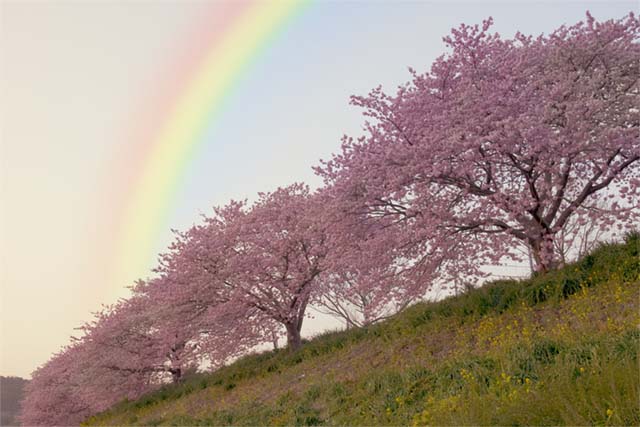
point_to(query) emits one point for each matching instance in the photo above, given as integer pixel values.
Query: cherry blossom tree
(54, 395)
(361, 298)
(257, 262)
(131, 340)
(188, 306)
(366, 279)
(123, 353)
(278, 254)
(502, 141)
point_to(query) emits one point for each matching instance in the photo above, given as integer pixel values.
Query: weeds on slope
(509, 346)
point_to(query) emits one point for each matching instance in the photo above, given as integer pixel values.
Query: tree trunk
(544, 256)
(294, 340)
(176, 374)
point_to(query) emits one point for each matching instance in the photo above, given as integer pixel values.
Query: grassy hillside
(556, 349)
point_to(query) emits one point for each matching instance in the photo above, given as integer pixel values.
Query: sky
(81, 83)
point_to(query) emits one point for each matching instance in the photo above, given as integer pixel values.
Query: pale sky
(75, 77)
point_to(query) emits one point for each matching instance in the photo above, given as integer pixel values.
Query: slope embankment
(558, 349)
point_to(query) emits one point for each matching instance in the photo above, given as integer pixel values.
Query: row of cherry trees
(503, 144)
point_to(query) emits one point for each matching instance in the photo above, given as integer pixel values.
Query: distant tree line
(11, 393)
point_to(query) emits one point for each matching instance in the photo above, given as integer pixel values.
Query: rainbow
(244, 31)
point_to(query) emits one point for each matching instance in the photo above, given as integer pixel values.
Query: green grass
(557, 349)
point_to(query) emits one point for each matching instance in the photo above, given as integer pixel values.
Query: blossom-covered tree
(134, 342)
(54, 394)
(257, 262)
(364, 297)
(188, 304)
(503, 140)
(123, 353)
(366, 277)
